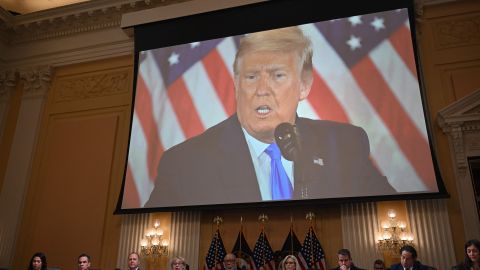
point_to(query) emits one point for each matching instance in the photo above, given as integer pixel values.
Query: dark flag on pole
(292, 245)
(243, 252)
(263, 253)
(312, 251)
(216, 253)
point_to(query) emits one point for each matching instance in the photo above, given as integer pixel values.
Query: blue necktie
(281, 186)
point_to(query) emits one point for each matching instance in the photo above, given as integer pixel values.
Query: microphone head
(287, 140)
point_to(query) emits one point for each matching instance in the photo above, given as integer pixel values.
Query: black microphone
(287, 139)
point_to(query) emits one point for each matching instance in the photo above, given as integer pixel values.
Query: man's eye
(280, 75)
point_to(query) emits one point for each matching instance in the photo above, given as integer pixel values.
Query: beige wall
(78, 165)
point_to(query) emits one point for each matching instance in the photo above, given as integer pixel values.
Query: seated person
(408, 260)
(345, 260)
(472, 256)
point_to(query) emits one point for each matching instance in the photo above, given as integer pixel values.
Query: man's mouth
(264, 109)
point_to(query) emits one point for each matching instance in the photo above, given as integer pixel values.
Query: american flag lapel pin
(318, 161)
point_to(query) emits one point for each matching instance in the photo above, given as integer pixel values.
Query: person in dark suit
(133, 261)
(379, 265)
(273, 72)
(230, 262)
(345, 260)
(408, 260)
(84, 261)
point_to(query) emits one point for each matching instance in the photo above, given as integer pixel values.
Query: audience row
(408, 261)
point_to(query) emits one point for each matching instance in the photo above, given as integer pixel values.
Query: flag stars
(355, 20)
(378, 24)
(354, 43)
(193, 45)
(174, 58)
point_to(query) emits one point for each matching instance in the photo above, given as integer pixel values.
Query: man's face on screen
(268, 87)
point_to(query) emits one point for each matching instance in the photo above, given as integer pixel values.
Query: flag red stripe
(149, 126)
(184, 108)
(131, 198)
(324, 102)
(398, 41)
(221, 80)
(404, 131)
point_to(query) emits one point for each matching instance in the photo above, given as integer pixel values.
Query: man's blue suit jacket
(417, 266)
(215, 167)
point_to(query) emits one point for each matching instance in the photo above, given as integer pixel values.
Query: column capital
(36, 80)
(7, 83)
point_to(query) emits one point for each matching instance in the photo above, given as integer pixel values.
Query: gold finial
(263, 218)
(217, 220)
(310, 216)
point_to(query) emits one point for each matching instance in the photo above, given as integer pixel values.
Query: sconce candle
(154, 244)
(394, 234)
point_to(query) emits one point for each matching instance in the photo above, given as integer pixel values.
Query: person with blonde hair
(290, 262)
(178, 263)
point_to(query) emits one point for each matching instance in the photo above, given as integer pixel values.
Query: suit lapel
(238, 170)
(312, 163)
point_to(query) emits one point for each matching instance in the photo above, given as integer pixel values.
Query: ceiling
(29, 6)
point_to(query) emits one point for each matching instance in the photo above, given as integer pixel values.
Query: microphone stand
(298, 167)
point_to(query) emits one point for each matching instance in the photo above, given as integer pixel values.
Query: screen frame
(262, 16)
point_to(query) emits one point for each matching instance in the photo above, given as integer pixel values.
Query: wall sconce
(154, 244)
(394, 234)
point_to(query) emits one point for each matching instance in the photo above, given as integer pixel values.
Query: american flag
(312, 254)
(263, 253)
(216, 253)
(364, 74)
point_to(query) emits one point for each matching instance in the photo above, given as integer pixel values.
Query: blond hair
(286, 39)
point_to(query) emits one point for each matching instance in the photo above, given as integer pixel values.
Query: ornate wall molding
(73, 19)
(461, 122)
(36, 81)
(94, 85)
(457, 32)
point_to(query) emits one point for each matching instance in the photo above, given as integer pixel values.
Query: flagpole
(311, 216)
(263, 218)
(241, 234)
(217, 220)
(291, 235)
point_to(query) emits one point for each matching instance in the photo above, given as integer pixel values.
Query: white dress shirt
(261, 163)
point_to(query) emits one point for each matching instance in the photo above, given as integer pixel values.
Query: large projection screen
(368, 139)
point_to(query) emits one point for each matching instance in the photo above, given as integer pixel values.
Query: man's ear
(235, 86)
(305, 87)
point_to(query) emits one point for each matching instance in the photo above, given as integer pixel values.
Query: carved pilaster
(36, 81)
(7, 84)
(458, 147)
(461, 122)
